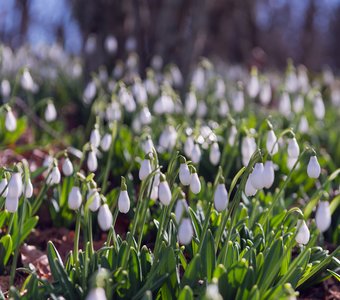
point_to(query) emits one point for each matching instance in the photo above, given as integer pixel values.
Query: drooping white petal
(105, 218)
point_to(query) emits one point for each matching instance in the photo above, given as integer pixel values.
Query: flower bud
(95, 137)
(190, 103)
(3, 187)
(10, 122)
(185, 232)
(313, 168)
(265, 93)
(215, 154)
(323, 217)
(257, 176)
(92, 163)
(28, 189)
(268, 174)
(67, 167)
(97, 293)
(105, 218)
(50, 112)
(74, 198)
(164, 193)
(293, 148)
(196, 154)
(54, 176)
(184, 174)
(106, 142)
(249, 189)
(319, 107)
(303, 125)
(181, 207)
(12, 204)
(188, 146)
(94, 197)
(291, 162)
(303, 234)
(195, 184)
(284, 105)
(221, 197)
(145, 169)
(271, 144)
(232, 135)
(15, 186)
(145, 116)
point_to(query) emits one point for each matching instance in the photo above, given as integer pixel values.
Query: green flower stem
(76, 239)
(89, 230)
(10, 223)
(17, 249)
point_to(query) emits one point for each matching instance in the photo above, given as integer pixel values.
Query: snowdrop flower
(97, 293)
(181, 208)
(145, 116)
(232, 135)
(214, 154)
(15, 186)
(253, 85)
(238, 100)
(67, 167)
(145, 168)
(323, 216)
(10, 121)
(94, 197)
(257, 180)
(298, 104)
(284, 105)
(113, 111)
(185, 231)
(184, 172)
(190, 103)
(212, 292)
(168, 138)
(265, 93)
(111, 44)
(164, 193)
(27, 82)
(92, 162)
(293, 148)
(196, 154)
(28, 189)
(249, 189)
(291, 162)
(313, 168)
(188, 146)
(147, 145)
(221, 196)
(50, 112)
(319, 107)
(303, 125)
(195, 184)
(74, 198)
(106, 142)
(271, 144)
(223, 108)
(303, 234)
(89, 92)
(248, 147)
(123, 199)
(268, 174)
(3, 187)
(105, 218)
(48, 161)
(5, 88)
(95, 137)
(91, 44)
(54, 177)
(11, 204)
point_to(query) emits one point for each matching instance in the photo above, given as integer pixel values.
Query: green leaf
(6, 247)
(193, 272)
(53, 256)
(29, 224)
(208, 256)
(186, 294)
(336, 275)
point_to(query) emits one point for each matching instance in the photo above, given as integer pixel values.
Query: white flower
(74, 198)
(11, 204)
(313, 168)
(54, 176)
(185, 232)
(67, 167)
(124, 202)
(214, 154)
(238, 101)
(5, 88)
(323, 216)
(111, 44)
(15, 186)
(181, 207)
(106, 142)
(271, 144)
(184, 174)
(190, 103)
(28, 189)
(97, 293)
(257, 180)
(249, 189)
(248, 147)
(92, 163)
(195, 184)
(284, 105)
(145, 169)
(105, 217)
(3, 187)
(145, 116)
(94, 197)
(89, 92)
(293, 148)
(10, 122)
(168, 138)
(50, 112)
(268, 174)
(303, 234)
(95, 138)
(303, 125)
(212, 292)
(196, 154)
(265, 93)
(232, 135)
(48, 161)
(291, 162)
(253, 86)
(221, 197)
(188, 146)
(147, 145)
(298, 104)
(319, 107)
(164, 193)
